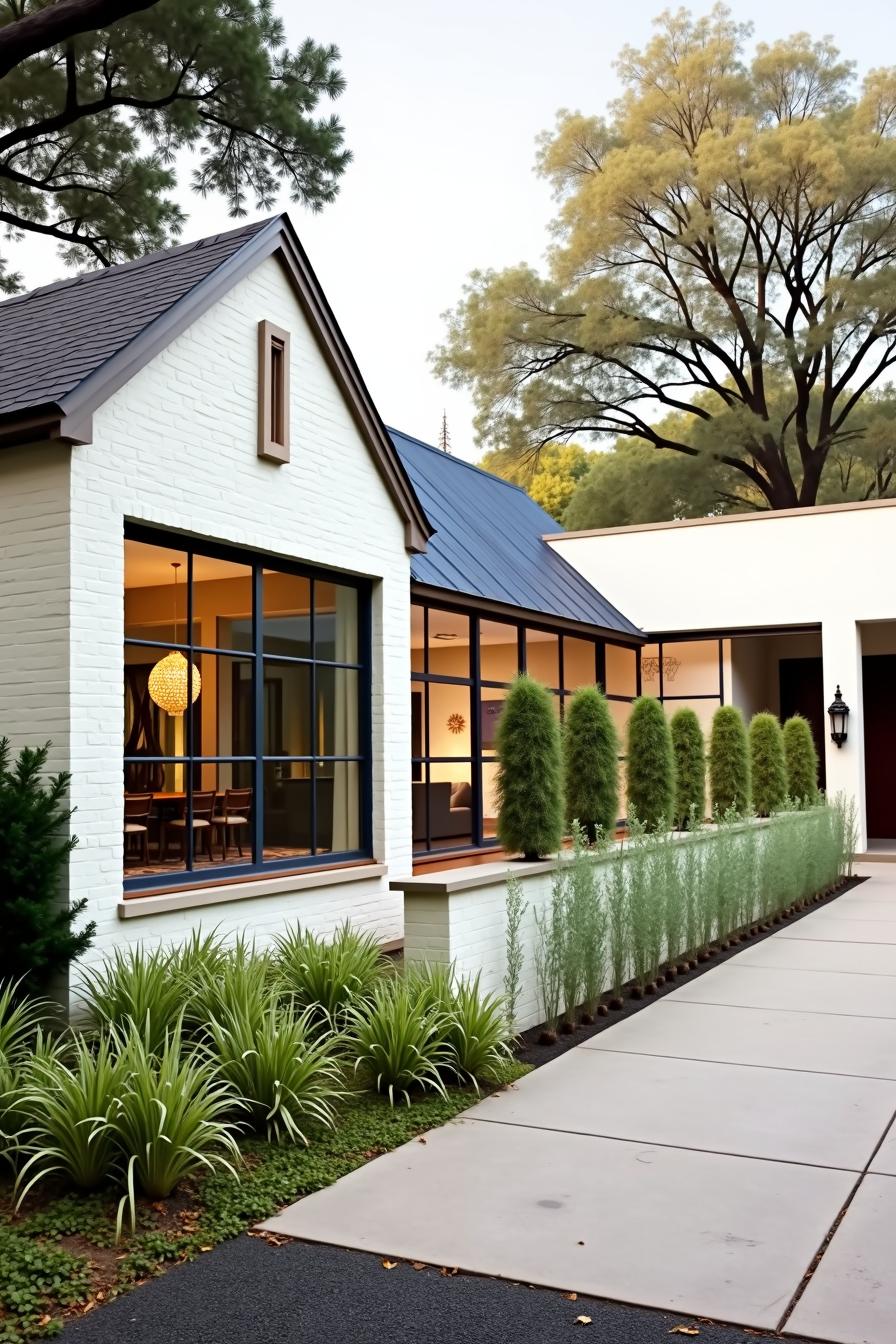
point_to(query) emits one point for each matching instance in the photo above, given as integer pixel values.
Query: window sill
(193, 898)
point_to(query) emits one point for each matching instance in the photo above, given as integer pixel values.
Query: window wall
(462, 664)
(686, 673)
(246, 696)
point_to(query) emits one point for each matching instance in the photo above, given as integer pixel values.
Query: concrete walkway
(695, 1157)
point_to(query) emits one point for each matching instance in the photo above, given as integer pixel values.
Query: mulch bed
(530, 1050)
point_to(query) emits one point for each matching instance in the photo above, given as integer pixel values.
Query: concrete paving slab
(726, 1237)
(855, 906)
(812, 1042)
(885, 1158)
(874, 892)
(851, 1297)
(812, 1118)
(841, 929)
(748, 986)
(809, 954)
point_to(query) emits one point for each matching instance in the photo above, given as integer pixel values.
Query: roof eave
(451, 597)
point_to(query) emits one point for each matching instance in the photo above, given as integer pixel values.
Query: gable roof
(488, 544)
(68, 346)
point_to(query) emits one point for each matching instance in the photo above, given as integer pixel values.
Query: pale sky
(442, 109)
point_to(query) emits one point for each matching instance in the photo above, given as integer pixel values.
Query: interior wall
(755, 675)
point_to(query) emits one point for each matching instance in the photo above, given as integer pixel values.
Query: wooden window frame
(273, 440)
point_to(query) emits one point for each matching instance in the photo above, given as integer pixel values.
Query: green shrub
(134, 986)
(729, 763)
(477, 1033)
(591, 763)
(397, 1039)
(282, 1072)
(22, 1043)
(689, 751)
(326, 977)
(68, 1103)
(767, 772)
(241, 983)
(171, 1116)
(37, 927)
(529, 775)
(801, 761)
(650, 765)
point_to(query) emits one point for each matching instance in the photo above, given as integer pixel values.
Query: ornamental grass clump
(550, 947)
(282, 1071)
(327, 977)
(477, 1035)
(767, 770)
(134, 987)
(591, 763)
(619, 945)
(530, 774)
(22, 1044)
(650, 765)
(729, 763)
(689, 751)
(801, 761)
(398, 1040)
(514, 960)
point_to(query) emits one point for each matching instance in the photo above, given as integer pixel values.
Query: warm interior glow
(168, 684)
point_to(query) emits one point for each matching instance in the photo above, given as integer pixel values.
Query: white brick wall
(176, 447)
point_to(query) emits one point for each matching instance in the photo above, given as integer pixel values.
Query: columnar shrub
(690, 768)
(767, 772)
(590, 760)
(529, 783)
(650, 769)
(729, 762)
(801, 761)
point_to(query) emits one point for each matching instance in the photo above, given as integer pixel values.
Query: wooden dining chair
(232, 818)
(203, 807)
(137, 808)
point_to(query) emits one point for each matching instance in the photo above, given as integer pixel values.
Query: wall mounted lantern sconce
(838, 713)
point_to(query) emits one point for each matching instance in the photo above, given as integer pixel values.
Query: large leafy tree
(98, 98)
(724, 249)
(551, 476)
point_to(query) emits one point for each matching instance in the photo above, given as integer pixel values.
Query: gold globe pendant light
(171, 685)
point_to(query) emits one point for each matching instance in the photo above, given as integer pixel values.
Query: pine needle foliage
(529, 783)
(767, 769)
(689, 750)
(651, 766)
(729, 763)
(590, 763)
(801, 761)
(38, 933)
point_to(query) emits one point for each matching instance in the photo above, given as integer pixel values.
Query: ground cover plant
(132, 1143)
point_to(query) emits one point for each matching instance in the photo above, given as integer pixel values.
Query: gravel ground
(250, 1292)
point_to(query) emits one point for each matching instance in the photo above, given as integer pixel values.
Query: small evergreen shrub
(37, 933)
(767, 772)
(801, 761)
(651, 767)
(590, 763)
(689, 751)
(729, 763)
(529, 783)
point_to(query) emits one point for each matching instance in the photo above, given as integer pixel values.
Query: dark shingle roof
(55, 337)
(488, 542)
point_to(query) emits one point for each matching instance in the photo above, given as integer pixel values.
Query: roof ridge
(493, 476)
(148, 259)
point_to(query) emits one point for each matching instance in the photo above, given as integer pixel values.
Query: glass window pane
(450, 798)
(449, 643)
(704, 709)
(338, 732)
(498, 651)
(335, 622)
(222, 603)
(417, 637)
(621, 670)
(489, 800)
(489, 713)
(691, 667)
(287, 709)
(620, 711)
(338, 786)
(287, 821)
(286, 620)
(449, 720)
(543, 657)
(229, 836)
(155, 592)
(579, 666)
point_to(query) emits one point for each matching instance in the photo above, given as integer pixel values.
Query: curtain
(346, 822)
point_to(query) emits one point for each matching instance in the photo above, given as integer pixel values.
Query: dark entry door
(878, 683)
(802, 692)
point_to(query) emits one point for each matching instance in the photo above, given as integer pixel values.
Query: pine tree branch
(57, 23)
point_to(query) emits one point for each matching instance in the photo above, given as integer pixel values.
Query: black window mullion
(188, 726)
(600, 665)
(258, 724)
(478, 827)
(662, 680)
(721, 672)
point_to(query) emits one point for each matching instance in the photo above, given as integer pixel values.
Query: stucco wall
(176, 447)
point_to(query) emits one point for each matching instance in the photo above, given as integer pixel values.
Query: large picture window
(247, 694)
(462, 664)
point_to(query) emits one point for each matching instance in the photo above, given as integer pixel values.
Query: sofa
(450, 810)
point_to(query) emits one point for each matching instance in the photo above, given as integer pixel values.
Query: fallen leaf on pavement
(571, 1297)
(418, 1264)
(446, 1272)
(389, 1264)
(583, 1320)
(685, 1330)
(421, 1139)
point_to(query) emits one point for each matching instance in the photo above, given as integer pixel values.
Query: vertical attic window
(273, 393)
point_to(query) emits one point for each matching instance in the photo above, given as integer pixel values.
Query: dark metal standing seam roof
(488, 542)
